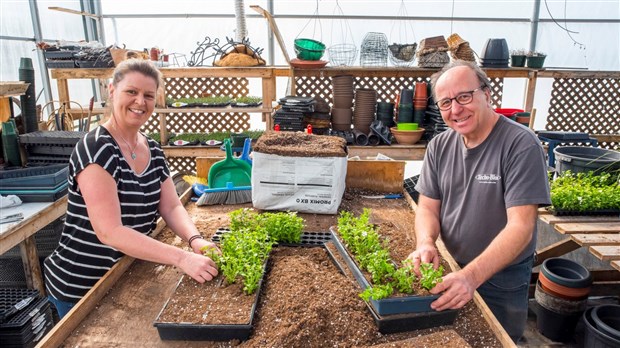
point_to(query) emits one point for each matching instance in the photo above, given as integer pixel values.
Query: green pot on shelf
(535, 62)
(517, 61)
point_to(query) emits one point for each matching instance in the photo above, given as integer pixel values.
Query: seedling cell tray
(388, 306)
(308, 239)
(207, 332)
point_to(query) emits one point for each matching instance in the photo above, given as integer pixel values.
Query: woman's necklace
(131, 151)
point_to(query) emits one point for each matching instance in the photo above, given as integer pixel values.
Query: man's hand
(456, 289)
(424, 253)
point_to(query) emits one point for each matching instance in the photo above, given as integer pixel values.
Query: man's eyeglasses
(463, 99)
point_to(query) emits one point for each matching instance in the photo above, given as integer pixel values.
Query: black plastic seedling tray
(308, 239)
(412, 321)
(389, 306)
(23, 328)
(45, 176)
(208, 332)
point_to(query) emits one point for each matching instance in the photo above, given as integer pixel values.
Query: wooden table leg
(32, 267)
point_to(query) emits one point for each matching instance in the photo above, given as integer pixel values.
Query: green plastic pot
(536, 62)
(517, 61)
(407, 126)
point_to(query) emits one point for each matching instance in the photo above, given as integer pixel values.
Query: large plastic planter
(207, 332)
(394, 305)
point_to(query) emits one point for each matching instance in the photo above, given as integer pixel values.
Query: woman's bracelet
(192, 238)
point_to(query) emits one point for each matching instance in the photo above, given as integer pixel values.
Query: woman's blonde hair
(145, 67)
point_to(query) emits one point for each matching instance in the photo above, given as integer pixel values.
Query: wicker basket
(460, 49)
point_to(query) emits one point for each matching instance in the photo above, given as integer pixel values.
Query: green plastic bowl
(308, 49)
(407, 126)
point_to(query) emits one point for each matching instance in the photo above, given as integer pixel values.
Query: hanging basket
(342, 54)
(342, 51)
(402, 54)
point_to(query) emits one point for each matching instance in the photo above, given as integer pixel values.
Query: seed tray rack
(308, 239)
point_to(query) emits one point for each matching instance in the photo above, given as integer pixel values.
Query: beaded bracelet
(192, 238)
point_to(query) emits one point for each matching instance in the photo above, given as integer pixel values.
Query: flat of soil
(306, 301)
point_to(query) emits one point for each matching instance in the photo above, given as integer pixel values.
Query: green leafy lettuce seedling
(430, 276)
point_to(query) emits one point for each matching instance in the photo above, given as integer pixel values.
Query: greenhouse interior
(312, 173)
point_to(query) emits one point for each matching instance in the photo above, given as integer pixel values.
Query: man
(480, 186)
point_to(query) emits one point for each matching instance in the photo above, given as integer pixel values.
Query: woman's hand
(199, 246)
(199, 267)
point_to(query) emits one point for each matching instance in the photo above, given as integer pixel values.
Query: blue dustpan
(247, 147)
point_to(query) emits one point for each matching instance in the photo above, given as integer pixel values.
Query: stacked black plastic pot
(561, 293)
(29, 99)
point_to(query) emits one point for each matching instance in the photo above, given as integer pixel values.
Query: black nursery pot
(594, 337)
(556, 326)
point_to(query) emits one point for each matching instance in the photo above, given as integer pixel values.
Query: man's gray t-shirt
(477, 185)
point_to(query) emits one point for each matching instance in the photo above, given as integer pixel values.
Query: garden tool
(390, 196)
(229, 181)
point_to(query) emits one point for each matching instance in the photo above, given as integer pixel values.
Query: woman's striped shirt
(81, 259)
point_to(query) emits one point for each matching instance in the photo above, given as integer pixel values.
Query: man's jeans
(506, 294)
(62, 307)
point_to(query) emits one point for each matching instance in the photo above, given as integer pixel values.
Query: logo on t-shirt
(488, 178)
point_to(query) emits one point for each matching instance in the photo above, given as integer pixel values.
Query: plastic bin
(580, 159)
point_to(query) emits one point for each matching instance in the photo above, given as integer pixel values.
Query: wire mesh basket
(342, 54)
(374, 51)
(402, 54)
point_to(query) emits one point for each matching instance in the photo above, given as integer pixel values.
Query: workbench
(36, 216)
(121, 308)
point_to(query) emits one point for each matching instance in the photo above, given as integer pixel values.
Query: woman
(119, 184)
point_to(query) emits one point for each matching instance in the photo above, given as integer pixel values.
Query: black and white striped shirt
(81, 259)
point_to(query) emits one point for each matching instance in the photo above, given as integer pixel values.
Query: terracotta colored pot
(407, 137)
(561, 290)
(342, 115)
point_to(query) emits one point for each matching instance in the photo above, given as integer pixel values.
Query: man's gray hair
(480, 74)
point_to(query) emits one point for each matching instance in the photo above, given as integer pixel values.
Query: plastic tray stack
(50, 147)
(291, 116)
(60, 59)
(28, 325)
(35, 184)
(46, 240)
